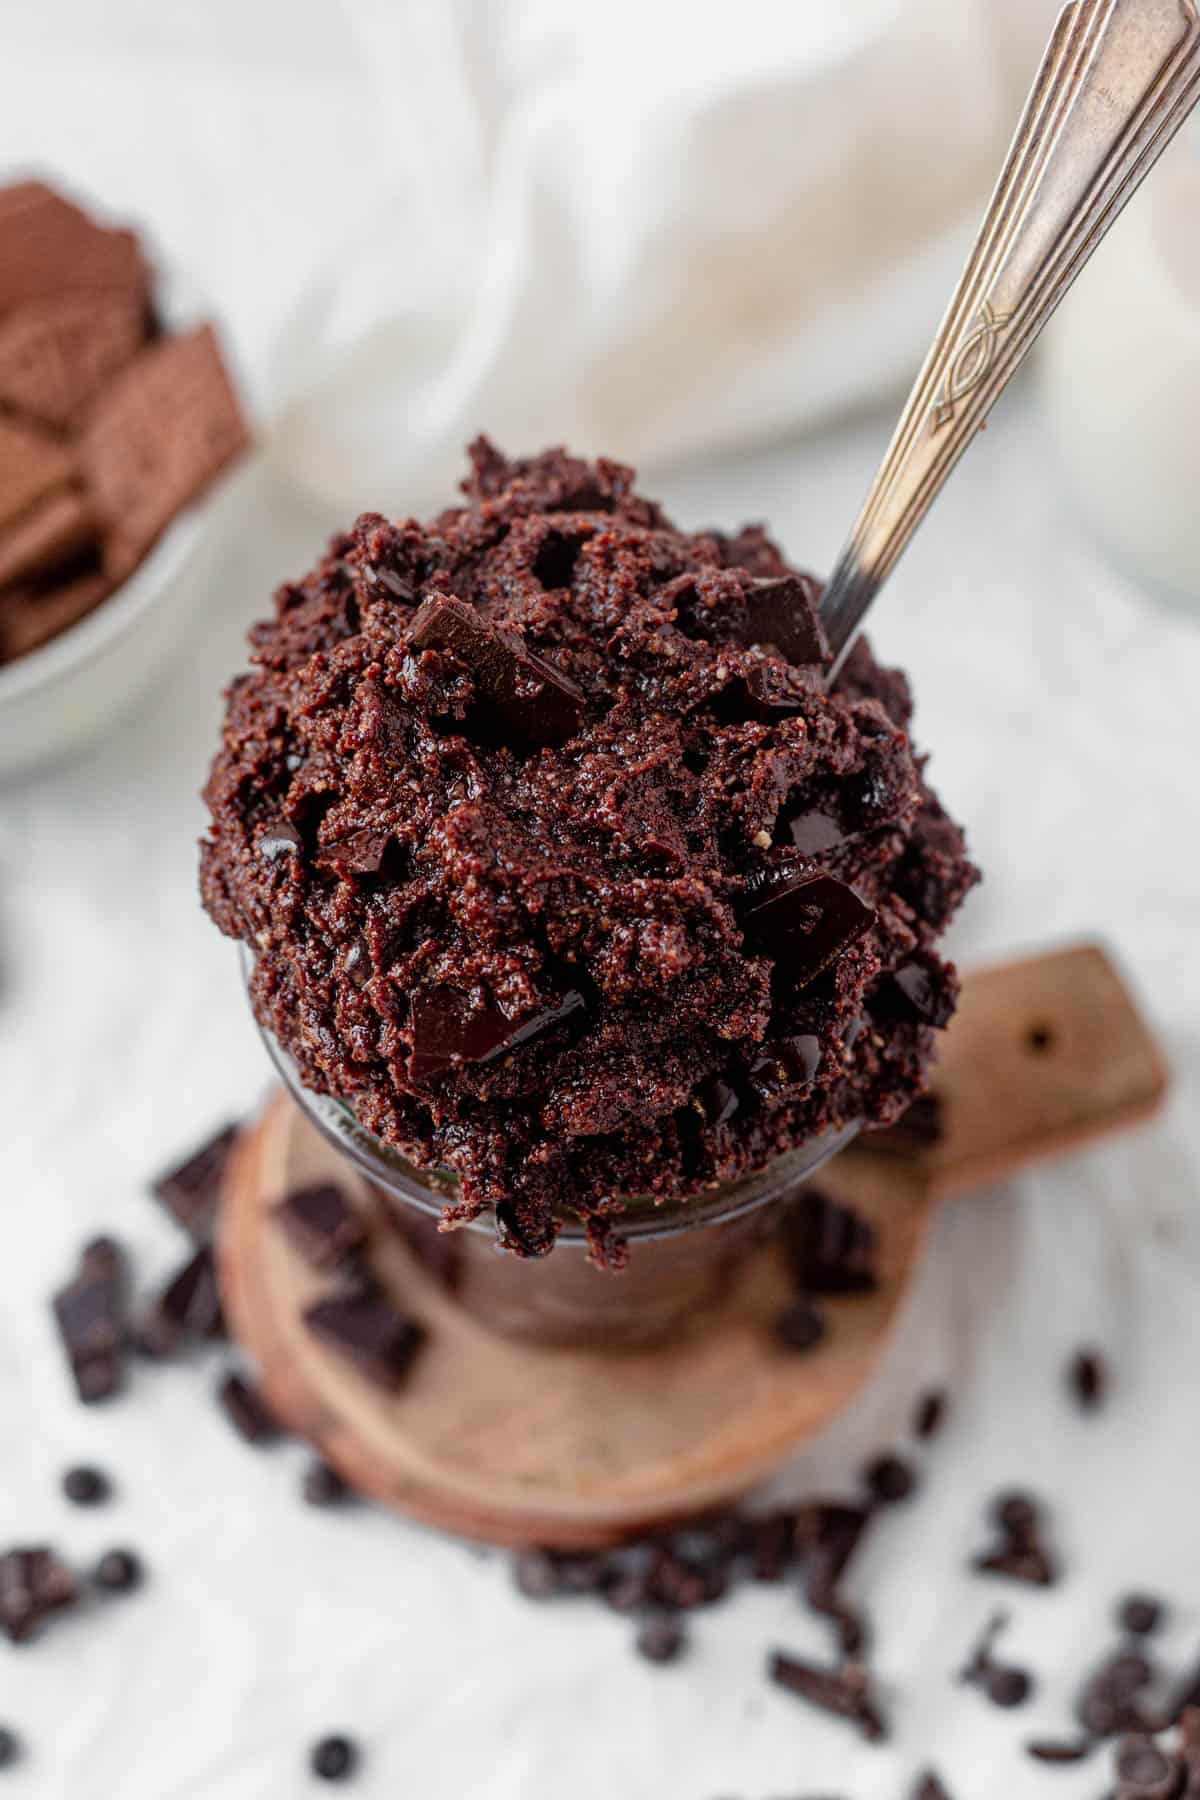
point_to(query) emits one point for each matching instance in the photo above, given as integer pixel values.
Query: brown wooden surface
(512, 1443)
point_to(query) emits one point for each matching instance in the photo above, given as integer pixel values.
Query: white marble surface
(1061, 705)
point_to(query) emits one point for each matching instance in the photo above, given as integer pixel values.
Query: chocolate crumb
(85, 1486)
(846, 1692)
(119, 1572)
(323, 1486)
(247, 1410)
(1089, 1380)
(889, 1479)
(10, 1747)
(661, 1640)
(930, 1414)
(334, 1758)
(34, 1585)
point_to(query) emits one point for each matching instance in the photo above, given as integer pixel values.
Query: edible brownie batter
(558, 862)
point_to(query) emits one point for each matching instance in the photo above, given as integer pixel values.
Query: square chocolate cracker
(48, 246)
(57, 531)
(57, 353)
(156, 438)
(33, 464)
(30, 615)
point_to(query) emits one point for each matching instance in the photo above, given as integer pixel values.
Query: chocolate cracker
(57, 353)
(32, 465)
(57, 529)
(156, 438)
(31, 615)
(48, 246)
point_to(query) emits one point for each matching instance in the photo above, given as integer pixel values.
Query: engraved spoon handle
(1116, 83)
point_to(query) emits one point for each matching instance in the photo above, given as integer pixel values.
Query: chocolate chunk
(90, 1312)
(247, 1410)
(34, 1585)
(717, 1100)
(191, 1192)
(1016, 1513)
(661, 1640)
(323, 1486)
(334, 1758)
(800, 1327)
(321, 1224)
(782, 611)
(85, 1486)
(448, 1030)
(369, 1332)
(845, 1692)
(930, 1787)
(784, 1066)
(56, 353)
(119, 1572)
(188, 1308)
(157, 437)
(831, 1248)
(531, 702)
(358, 853)
(930, 1414)
(815, 833)
(10, 1747)
(1140, 1614)
(1055, 1750)
(1089, 1379)
(889, 1479)
(915, 1130)
(279, 842)
(1111, 1698)
(803, 919)
(917, 990)
(1146, 1772)
(1007, 1686)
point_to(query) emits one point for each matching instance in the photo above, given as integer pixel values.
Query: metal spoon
(1116, 83)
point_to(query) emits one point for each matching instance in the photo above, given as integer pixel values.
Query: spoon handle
(1117, 81)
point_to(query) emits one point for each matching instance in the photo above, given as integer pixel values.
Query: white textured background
(1062, 706)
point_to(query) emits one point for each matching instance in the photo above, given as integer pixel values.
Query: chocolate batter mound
(557, 861)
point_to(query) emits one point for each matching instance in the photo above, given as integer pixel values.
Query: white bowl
(59, 697)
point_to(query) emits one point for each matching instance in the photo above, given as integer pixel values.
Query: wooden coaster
(514, 1443)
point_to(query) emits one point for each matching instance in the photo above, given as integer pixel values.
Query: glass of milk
(1120, 372)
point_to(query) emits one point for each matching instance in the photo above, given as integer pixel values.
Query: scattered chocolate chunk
(782, 611)
(323, 1486)
(831, 1248)
(1056, 1750)
(187, 1310)
(90, 1312)
(1007, 1686)
(930, 1414)
(1016, 1513)
(191, 1191)
(1020, 1554)
(915, 1130)
(10, 1747)
(279, 842)
(34, 1585)
(717, 1100)
(1089, 1380)
(773, 1546)
(661, 1639)
(1140, 1614)
(845, 1692)
(889, 1479)
(368, 1331)
(800, 1327)
(803, 919)
(320, 1222)
(119, 1572)
(334, 1758)
(85, 1486)
(923, 989)
(447, 1029)
(930, 1787)
(1146, 1772)
(1111, 1701)
(536, 1575)
(532, 702)
(247, 1411)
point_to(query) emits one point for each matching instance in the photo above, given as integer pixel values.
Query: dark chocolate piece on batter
(90, 1312)
(188, 1308)
(534, 703)
(448, 1030)
(918, 990)
(785, 1065)
(34, 1584)
(803, 919)
(368, 1331)
(320, 1222)
(845, 1692)
(781, 610)
(192, 1191)
(816, 832)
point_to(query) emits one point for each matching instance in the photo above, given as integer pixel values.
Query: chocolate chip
(530, 701)
(930, 1414)
(323, 1486)
(334, 1758)
(803, 919)
(930, 1787)
(799, 1327)
(84, 1486)
(10, 1747)
(119, 1572)
(1110, 1700)
(369, 1332)
(536, 1575)
(1007, 1686)
(889, 1479)
(1088, 1376)
(1055, 1750)
(319, 1222)
(447, 1029)
(187, 1309)
(661, 1640)
(246, 1410)
(845, 1692)
(90, 1313)
(34, 1585)
(1016, 1513)
(191, 1191)
(981, 1658)
(831, 1248)
(1140, 1614)
(279, 842)
(782, 611)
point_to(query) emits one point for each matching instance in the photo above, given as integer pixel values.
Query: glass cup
(683, 1254)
